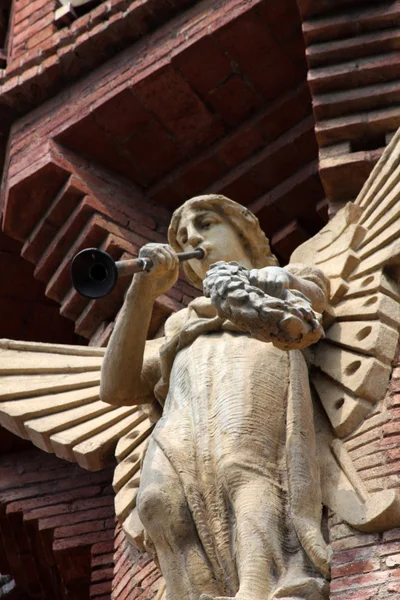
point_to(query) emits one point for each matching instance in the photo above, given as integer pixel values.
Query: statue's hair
(241, 218)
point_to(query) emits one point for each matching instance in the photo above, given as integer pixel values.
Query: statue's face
(215, 235)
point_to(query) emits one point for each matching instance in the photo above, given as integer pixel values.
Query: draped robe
(238, 412)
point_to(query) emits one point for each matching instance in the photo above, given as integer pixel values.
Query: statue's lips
(211, 254)
(205, 252)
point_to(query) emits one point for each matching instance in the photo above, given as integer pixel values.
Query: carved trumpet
(94, 273)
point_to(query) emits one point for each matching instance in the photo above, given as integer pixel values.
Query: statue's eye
(183, 240)
(206, 224)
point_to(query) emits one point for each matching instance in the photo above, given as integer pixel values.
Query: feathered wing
(49, 393)
(359, 250)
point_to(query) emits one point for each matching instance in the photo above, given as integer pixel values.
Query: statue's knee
(162, 509)
(152, 505)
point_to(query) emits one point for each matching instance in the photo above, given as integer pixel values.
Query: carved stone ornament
(254, 387)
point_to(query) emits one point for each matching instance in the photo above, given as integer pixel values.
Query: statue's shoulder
(200, 308)
(175, 322)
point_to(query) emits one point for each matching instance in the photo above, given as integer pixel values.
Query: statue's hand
(271, 280)
(165, 270)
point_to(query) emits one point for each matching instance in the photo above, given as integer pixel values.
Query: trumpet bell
(93, 273)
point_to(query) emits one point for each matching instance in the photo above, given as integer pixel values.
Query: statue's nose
(194, 239)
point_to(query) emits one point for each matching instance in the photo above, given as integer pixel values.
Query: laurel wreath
(288, 322)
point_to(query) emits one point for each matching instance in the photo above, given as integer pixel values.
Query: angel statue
(255, 389)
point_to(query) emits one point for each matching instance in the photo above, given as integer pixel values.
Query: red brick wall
(33, 24)
(136, 577)
(70, 204)
(353, 58)
(27, 313)
(43, 58)
(367, 566)
(51, 514)
(58, 535)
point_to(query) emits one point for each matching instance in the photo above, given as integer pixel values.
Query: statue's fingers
(262, 281)
(273, 287)
(169, 257)
(147, 250)
(283, 282)
(169, 260)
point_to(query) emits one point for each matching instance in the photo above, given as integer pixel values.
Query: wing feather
(64, 442)
(14, 413)
(49, 393)
(388, 234)
(349, 240)
(339, 288)
(340, 266)
(125, 500)
(129, 466)
(90, 453)
(385, 169)
(42, 428)
(26, 386)
(51, 348)
(373, 339)
(131, 440)
(388, 255)
(353, 363)
(366, 377)
(375, 282)
(345, 411)
(373, 306)
(130, 452)
(383, 214)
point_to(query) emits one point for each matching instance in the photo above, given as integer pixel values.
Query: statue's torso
(227, 398)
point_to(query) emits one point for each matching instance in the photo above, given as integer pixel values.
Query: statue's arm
(311, 282)
(305, 279)
(124, 381)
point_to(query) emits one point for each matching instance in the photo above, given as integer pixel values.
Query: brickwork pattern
(26, 310)
(51, 515)
(136, 576)
(354, 69)
(115, 119)
(41, 59)
(77, 206)
(367, 566)
(41, 52)
(243, 134)
(59, 537)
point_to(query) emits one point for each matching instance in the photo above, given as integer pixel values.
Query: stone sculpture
(245, 451)
(232, 461)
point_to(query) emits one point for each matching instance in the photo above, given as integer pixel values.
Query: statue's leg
(270, 561)
(257, 506)
(300, 580)
(165, 514)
